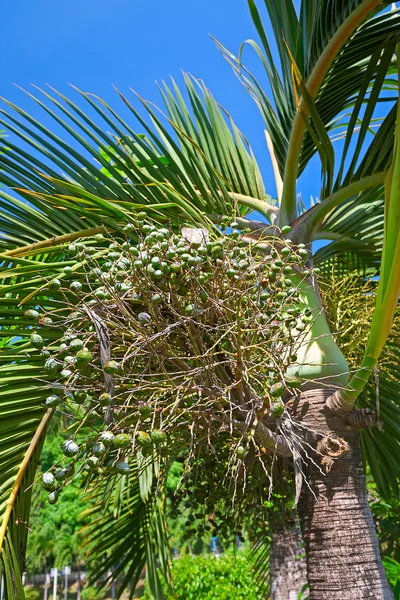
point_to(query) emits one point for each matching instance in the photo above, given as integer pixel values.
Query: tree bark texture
(288, 570)
(343, 559)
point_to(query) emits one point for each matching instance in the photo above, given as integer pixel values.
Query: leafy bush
(91, 593)
(32, 594)
(208, 577)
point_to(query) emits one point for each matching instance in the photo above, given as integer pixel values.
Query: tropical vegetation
(163, 305)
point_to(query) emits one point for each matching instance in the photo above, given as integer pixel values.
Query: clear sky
(95, 44)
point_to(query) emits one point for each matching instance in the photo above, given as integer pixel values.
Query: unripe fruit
(107, 437)
(292, 381)
(83, 358)
(157, 436)
(69, 448)
(31, 315)
(98, 449)
(80, 397)
(277, 389)
(75, 286)
(122, 440)
(37, 341)
(53, 497)
(53, 400)
(105, 399)
(122, 467)
(277, 409)
(54, 285)
(143, 439)
(76, 345)
(112, 367)
(240, 452)
(49, 482)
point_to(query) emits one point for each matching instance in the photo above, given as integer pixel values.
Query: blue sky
(95, 44)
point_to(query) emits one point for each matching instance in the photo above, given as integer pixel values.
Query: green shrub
(206, 577)
(32, 594)
(91, 593)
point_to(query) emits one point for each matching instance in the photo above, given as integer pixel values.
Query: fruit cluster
(167, 341)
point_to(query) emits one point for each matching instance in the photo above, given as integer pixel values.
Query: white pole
(113, 590)
(2, 588)
(66, 584)
(55, 574)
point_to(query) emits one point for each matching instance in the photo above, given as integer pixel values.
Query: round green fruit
(76, 345)
(75, 286)
(143, 439)
(105, 399)
(92, 462)
(37, 341)
(144, 409)
(107, 438)
(49, 482)
(70, 448)
(277, 409)
(61, 474)
(286, 229)
(83, 358)
(122, 467)
(240, 452)
(54, 285)
(53, 400)
(157, 436)
(112, 367)
(51, 365)
(292, 381)
(277, 389)
(122, 440)
(98, 449)
(53, 497)
(31, 315)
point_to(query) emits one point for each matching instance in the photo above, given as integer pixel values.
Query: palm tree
(338, 65)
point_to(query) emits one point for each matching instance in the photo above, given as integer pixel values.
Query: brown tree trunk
(343, 560)
(288, 570)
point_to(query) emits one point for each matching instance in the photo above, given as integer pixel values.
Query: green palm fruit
(277, 409)
(83, 358)
(105, 399)
(292, 381)
(122, 440)
(51, 365)
(98, 449)
(37, 341)
(241, 452)
(277, 389)
(144, 409)
(286, 229)
(53, 497)
(54, 285)
(70, 448)
(75, 345)
(31, 315)
(122, 467)
(107, 438)
(49, 482)
(157, 436)
(112, 367)
(75, 286)
(53, 400)
(143, 439)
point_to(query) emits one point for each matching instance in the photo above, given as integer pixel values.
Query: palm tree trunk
(288, 570)
(343, 560)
